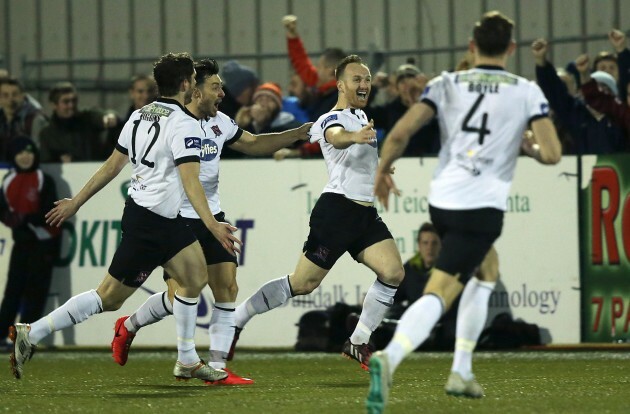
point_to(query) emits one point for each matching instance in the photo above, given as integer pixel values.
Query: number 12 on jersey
(482, 130)
(155, 126)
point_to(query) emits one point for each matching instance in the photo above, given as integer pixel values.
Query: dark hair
(12, 81)
(341, 67)
(170, 71)
(205, 68)
(493, 33)
(601, 56)
(333, 55)
(59, 89)
(426, 227)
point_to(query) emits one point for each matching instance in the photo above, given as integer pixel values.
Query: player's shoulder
(222, 118)
(326, 119)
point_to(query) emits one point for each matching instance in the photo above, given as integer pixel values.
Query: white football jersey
(482, 113)
(158, 137)
(351, 170)
(218, 131)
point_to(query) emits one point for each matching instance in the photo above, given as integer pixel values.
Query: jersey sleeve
(186, 144)
(234, 131)
(326, 121)
(124, 139)
(433, 94)
(537, 104)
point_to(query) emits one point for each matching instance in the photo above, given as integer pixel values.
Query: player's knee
(304, 286)
(111, 304)
(393, 276)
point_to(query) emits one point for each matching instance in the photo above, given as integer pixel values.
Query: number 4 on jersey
(482, 130)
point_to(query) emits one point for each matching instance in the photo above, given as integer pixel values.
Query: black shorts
(148, 241)
(339, 225)
(212, 249)
(467, 236)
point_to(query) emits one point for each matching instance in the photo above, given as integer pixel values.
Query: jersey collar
(489, 67)
(174, 102)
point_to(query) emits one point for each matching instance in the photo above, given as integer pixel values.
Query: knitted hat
(406, 71)
(606, 79)
(238, 77)
(270, 89)
(23, 143)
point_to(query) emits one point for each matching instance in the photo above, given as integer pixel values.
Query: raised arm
(264, 144)
(395, 143)
(297, 53)
(68, 207)
(189, 174)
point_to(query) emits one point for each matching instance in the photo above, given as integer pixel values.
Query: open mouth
(362, 95)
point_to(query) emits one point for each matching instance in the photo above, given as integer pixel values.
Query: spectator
(410, 82)
(17, 116)
(142, 91)
(320, 76)
(298, 100)
(4, 74)
(240, 82)
(417, 272)
(74, 135)
(266, 114)
(591, 132)
(618, 41)
(600, 93)
(27, 195)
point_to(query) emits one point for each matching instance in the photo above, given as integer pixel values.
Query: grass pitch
(520, 382)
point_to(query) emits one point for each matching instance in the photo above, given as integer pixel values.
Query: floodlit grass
(526, 382)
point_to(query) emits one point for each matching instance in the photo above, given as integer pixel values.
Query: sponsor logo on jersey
(156, 109)
(216, 130)
(233, 121)
(192, 142)
(209, 150)
(328, 119)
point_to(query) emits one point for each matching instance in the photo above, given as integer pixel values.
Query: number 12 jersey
(157, 138)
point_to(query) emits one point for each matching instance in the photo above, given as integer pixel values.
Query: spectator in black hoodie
(27, 195)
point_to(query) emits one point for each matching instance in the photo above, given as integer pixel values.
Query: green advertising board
(605, 250)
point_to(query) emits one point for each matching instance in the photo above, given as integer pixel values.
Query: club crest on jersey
(192, 142)
(142, 277)
(216, 130)
(322, 253)
(328, 119)
(209, 150)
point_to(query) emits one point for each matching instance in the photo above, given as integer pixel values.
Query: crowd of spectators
(589, 103)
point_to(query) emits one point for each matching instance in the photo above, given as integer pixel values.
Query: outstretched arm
(189, 174)
(66, 208)
(264, 144)
(339, 138)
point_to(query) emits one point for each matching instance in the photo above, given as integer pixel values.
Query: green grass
(525, 382)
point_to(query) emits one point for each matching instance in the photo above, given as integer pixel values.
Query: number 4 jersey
(159, 137)
(482, 113)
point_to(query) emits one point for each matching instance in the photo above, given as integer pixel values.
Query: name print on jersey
(485, 82)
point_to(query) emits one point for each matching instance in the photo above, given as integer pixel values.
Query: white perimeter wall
(538, 249)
